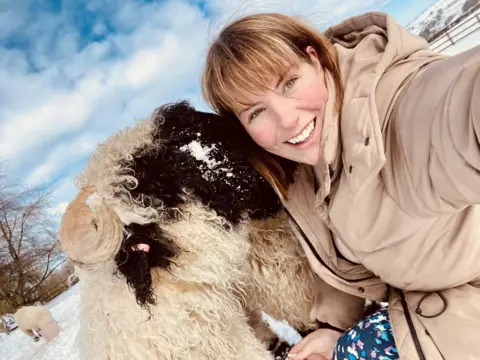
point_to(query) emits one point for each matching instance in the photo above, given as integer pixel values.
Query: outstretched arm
(436, 127)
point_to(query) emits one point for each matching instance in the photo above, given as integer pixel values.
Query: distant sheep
(180, 245)
(37, 321)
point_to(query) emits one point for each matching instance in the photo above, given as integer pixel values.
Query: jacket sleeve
(436, 133)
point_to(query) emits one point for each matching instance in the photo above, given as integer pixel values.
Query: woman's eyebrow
(283, 75)
(245, 107)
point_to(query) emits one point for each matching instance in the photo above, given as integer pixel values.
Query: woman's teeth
(304, 135)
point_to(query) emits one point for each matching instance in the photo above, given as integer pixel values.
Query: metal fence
(458, 30)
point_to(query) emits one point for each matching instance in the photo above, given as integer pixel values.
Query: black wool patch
(135, 264)
(207, 155)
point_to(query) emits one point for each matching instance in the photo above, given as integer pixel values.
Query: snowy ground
(437, 16)
(17, 346)
(464, 44)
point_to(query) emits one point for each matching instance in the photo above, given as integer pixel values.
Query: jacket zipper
(411, 327)
(314, 251)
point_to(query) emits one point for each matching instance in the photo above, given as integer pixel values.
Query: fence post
(450, 38)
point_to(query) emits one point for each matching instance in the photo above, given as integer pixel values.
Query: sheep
(180, 245)
(35, 321)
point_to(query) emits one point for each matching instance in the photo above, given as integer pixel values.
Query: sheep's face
(203, 155)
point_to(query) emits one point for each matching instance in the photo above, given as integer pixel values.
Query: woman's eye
(254, 114)
(290, 83)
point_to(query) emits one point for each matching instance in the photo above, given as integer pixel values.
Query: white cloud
(65, 190)
(99, 28)
(149, 64)
(321, 13)
(12, 16)
(68, 106)
(61, 156)
(59, 209)
(63, 194)
(60, 113)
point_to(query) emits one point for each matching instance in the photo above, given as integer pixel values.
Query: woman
(385, 133)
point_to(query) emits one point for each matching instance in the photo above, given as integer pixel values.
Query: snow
(65, 309)
(200, 153)
(93, 200)
(283, 330)
(464, 44)
(437, 16)
(210, 167)
(468, 29)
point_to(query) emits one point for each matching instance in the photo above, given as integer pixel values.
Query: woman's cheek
(263, 136)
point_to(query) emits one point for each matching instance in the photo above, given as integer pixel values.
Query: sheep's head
(149, 175)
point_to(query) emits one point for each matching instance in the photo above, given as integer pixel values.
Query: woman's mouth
(305, 135)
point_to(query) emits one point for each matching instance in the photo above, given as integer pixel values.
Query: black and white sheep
(180, 244)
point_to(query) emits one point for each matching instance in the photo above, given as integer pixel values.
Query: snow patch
(93, 200)
(211, 168)
(65, 309)
(200, 153)
(436, 17)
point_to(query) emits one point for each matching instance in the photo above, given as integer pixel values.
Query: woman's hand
(318, 345)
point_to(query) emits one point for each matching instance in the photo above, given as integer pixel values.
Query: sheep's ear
(144, 247)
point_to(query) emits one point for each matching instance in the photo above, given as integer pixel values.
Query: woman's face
(288, 119)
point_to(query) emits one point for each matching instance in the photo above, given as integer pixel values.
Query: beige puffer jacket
(399, 187)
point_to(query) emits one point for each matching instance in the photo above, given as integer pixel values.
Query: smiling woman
(283, 97)
(384, 134)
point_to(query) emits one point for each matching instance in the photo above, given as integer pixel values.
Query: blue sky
(74, 72)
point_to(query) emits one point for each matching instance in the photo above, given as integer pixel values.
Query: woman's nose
(287, 115)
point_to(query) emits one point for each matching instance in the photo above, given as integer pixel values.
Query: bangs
(252, 67)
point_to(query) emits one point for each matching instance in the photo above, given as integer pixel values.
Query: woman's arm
(435, 135)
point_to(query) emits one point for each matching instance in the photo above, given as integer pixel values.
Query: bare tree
(29, 251)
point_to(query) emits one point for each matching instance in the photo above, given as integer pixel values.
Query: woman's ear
(312, 54)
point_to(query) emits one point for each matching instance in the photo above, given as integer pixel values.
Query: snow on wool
(211, 168)
(93, 200)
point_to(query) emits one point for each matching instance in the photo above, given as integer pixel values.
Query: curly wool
(194, 319)
(109, 168)
(281, 279)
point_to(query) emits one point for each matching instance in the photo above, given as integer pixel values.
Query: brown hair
(248, 54)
